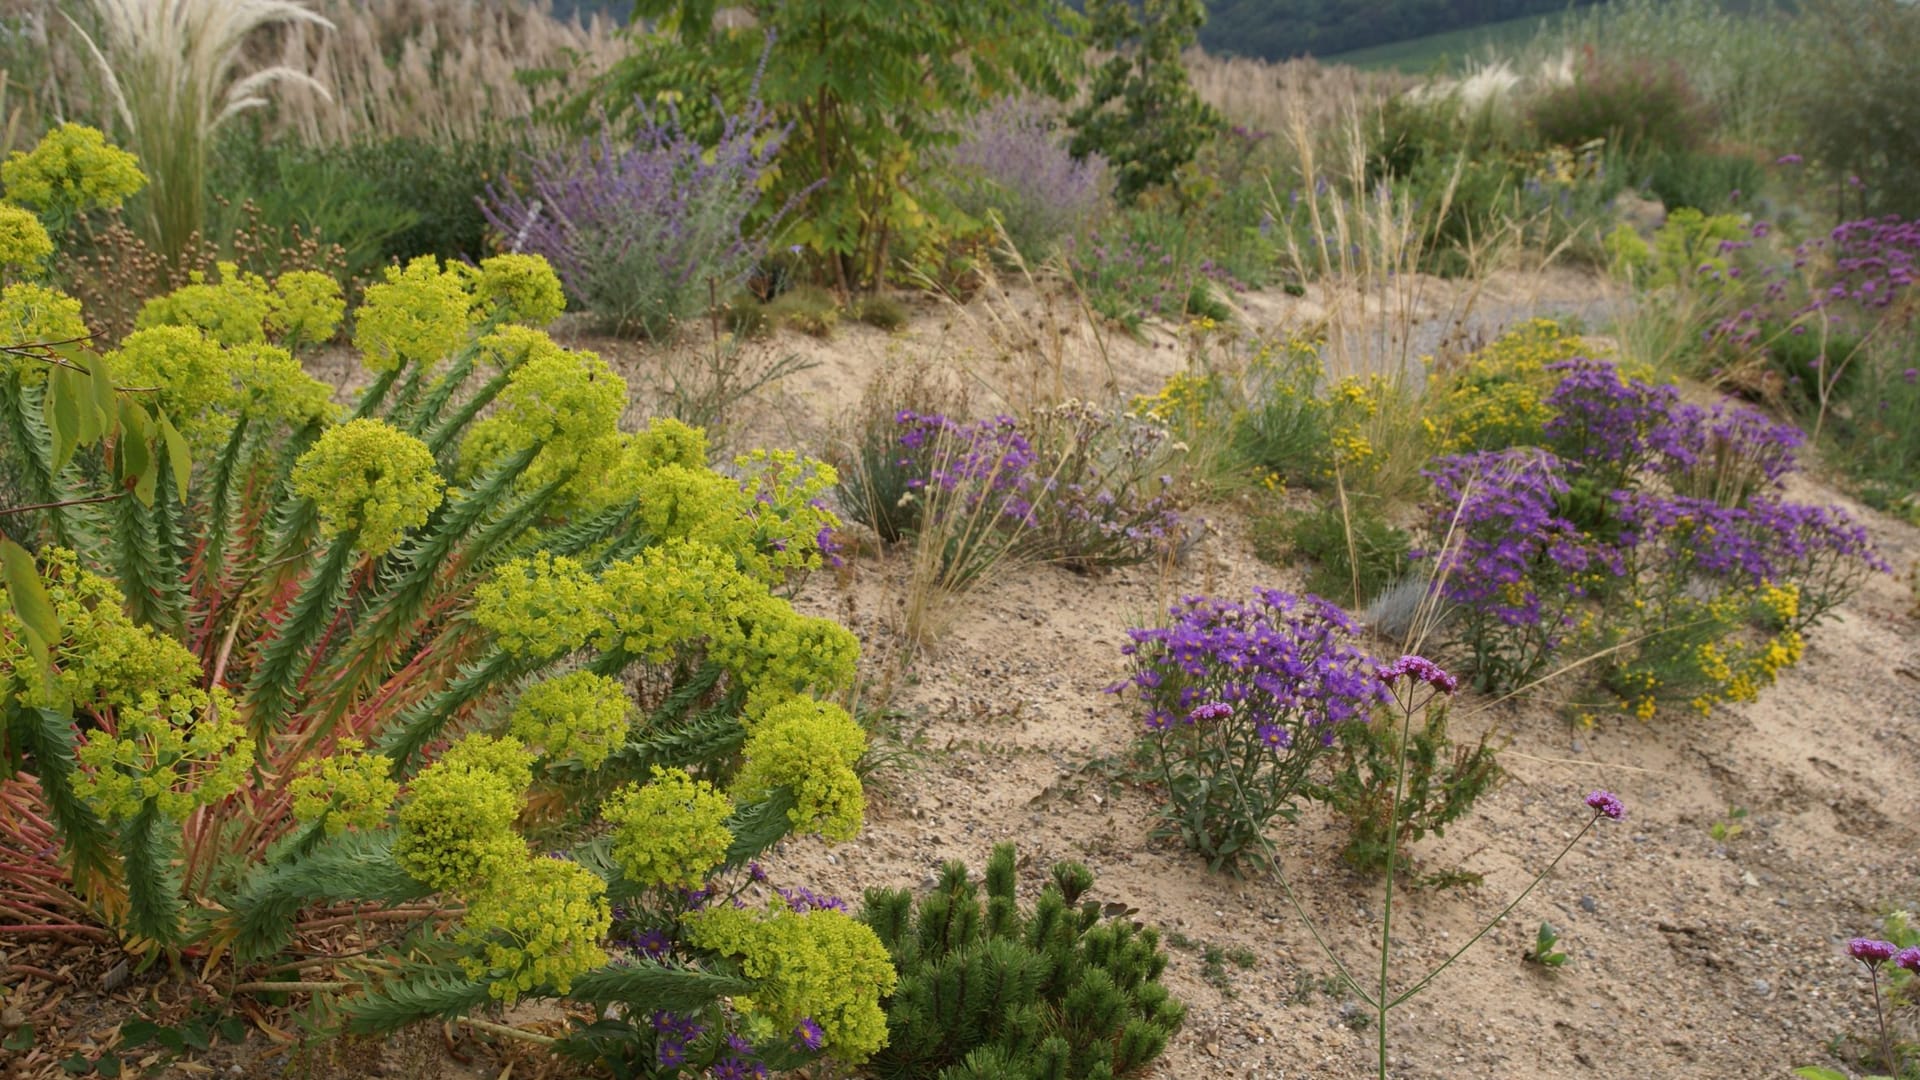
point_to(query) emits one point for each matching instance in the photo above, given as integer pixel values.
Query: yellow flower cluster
(787, 508)
(568, 404)
(192, 376)
(579, 715)
(456, 827)
(824, 965)
(417, 315)
(70, 170)
(669, 832)
(537, 925)
(667, 441)
(529, 922)
(309, 310)
(103, 660)
(370, 479)
(518, 288)
(349, 789)
(509, 346)
(34, 313)
(202, 386)
(178, 750)
(810, 747)
(541, 606)
(231, 311)
(274, 390)
(1184, 405)
(24, 243)
(1498, 397)
(1351, 405)
(1738, 645)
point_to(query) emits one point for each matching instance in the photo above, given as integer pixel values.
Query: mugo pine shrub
(371, 657)
(998, 993)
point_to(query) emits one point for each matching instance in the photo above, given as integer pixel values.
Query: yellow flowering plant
(71, 170)
(415, 625)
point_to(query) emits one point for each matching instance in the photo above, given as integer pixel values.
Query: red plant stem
(92, 933)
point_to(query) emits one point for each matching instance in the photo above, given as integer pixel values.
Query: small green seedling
(1734, 825)
(1545, 951)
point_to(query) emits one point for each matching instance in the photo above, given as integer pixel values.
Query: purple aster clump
(1727, 454)
(639, 228)
(1871, 951)
(1608, 423)
(1073, 484)
(735, 1067)
(1262, 686)
(1513, 568)
(1607, 805)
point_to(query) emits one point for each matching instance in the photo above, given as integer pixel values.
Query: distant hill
(1277, 29)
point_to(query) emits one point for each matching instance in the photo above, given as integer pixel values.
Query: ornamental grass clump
(1241, 701)
(387, 654)
(991, 990)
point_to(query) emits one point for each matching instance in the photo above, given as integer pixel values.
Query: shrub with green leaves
(1355, 553)
(300, 671)
(1141, 115)
(991, 991)
(1437, 781)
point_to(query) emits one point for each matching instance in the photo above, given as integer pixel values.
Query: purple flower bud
(1213, 710)
(1607, 804)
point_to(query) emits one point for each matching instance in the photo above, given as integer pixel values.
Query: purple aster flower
(1420, 669)
(1607, 804)
(807, 1035)
(653, 944)
(1871, 951)
(671, 1053)
(1788, 159)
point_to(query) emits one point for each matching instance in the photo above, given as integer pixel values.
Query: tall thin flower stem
(1880, 1011)
(1381, 1004)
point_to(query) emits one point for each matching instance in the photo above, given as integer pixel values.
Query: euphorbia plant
(376, 658)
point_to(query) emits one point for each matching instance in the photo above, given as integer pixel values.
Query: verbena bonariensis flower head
(1908, 958)
(1872, 951)
(1279, 662)
(1420, 669)
(1607, 805)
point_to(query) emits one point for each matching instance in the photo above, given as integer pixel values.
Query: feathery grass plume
(441, 71)
(173, 70)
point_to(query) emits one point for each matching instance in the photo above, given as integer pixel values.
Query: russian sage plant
(1010, 164)
(645, 232)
